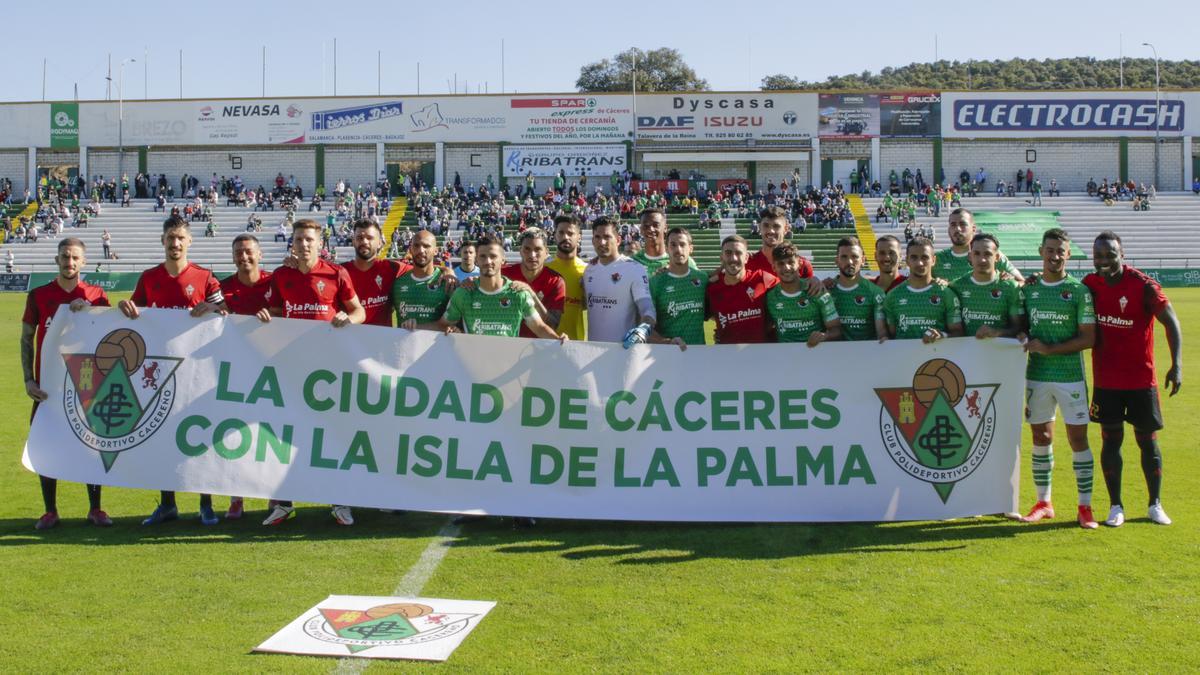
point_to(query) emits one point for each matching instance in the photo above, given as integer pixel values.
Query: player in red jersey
(246, 292)
(1124, 385)
(547, 286)
(177, 284)
(371, 276)
(737, 299)
(774, 227)
(40, 306)
(316, 290)
(888, 257)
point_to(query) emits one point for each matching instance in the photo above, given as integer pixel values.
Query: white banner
(725, 117)
(379, 417)
(575, 160)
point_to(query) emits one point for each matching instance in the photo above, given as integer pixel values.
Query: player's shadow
(644, 543)
(311, 523)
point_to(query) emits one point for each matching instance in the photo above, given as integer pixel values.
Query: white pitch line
(411, 584)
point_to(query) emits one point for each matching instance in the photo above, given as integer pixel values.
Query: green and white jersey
(950, 265)
(858, 307)
(796, 315)
(987, 304)
(912, 312)
(653, 265)
(1056, 311)
(679, 305)
(498, 313)
(414, 298)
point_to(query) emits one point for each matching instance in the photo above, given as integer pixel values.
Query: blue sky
(544, 45)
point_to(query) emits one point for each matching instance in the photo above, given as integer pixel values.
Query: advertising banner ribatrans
(1065, 114)
(727, 117)
(848, 116)
(574, 160)
(910, 114)
(64, 125)
(570, 118)
(507, 426)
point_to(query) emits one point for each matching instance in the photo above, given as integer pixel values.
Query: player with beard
(177, 284)
(737, 299)
(318, 291)
(40, 306)
(1061, 324)
(991, 306)
(858, 301)
(954, 262)
(570, 267)
(679, 295)
(617, 289)
(416, 294)
(920, 308)
(793, 315)
(1125, 388)
(495, 306)
(654, 254)
(372, 276)
(246, 292)
(774, 228)
(547, 286)
(888, 257)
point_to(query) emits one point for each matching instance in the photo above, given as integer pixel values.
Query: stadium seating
(1167, 235)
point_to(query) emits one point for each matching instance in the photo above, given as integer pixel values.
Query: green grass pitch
(973, 594)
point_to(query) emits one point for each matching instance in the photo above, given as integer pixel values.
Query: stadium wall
(12, 167)
(258, 165)
(1071, 162)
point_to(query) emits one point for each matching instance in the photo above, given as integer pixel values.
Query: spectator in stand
(1054, 192)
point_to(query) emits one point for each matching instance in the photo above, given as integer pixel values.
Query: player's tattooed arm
(28, 332)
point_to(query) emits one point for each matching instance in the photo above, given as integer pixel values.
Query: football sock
(167, 498)
(93, 496)
(49, 493)
(1111, 463)
(206, 500)
(1043, 464)
(1151, 463)
(1084, 466)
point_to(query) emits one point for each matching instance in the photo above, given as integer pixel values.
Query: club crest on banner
(118, 396)
(939, 429)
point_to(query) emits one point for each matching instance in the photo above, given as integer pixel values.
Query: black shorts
(1139, 407)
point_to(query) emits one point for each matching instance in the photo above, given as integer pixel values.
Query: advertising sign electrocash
(377, 417)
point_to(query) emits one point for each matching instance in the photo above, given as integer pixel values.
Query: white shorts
(1041, 399)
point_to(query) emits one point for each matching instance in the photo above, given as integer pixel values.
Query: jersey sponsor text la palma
(1123, 357)
(740, 309)
(320, 294)
(374, 288)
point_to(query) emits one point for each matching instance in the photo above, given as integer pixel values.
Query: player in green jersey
(920, 308)
(954, 262)
(494, 306)
(991, 306)
(679, 294)
(1062, 323)
(859, 302)
(417, 295)
(794, 315)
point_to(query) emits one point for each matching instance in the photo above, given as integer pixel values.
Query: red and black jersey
(318, 294)
(243, 299)
(194, 285)
(1123, 357)
(374, 288)
(548, 286)
(43, 301)
(740, 309)
(900, 278)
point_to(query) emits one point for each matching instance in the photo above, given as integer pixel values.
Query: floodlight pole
(121, 120)
(1157, 110)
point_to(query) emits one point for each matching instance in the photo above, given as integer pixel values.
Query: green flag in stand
(1020, 232)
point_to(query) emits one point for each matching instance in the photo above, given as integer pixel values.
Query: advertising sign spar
(570, 118)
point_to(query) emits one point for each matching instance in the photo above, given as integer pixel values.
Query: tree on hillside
(657, 70)
(1027, 74)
